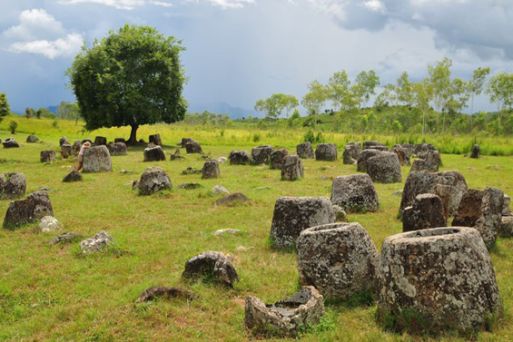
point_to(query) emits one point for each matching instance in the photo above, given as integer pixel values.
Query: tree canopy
(4, 106)
(131, 77)
(276, 104)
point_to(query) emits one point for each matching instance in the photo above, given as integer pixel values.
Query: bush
(13, 125)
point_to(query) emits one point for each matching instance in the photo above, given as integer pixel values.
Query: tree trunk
(133, 135)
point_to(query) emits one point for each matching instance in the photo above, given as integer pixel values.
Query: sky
(238, 51)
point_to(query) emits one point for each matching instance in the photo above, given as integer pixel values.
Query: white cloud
(230, 3)
(40, 33)
(132, 4)
(120, 4)
(33, 23)
(62, 47)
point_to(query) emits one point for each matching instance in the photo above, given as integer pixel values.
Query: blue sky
(241, 50)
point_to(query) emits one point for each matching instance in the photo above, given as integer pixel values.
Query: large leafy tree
(4, 106)
(132, 77)
(316, 97)
(364, 87)
(276, 104)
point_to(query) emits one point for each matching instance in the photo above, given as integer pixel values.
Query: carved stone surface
(292, 168)
(355, 193)
(436, 280)
(214, 265)
(286, 318)
(305, 150)
(339, 259)
(292, 215)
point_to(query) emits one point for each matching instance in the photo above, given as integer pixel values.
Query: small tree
(132, 77)
(276, 104)
(4, 106)
(13, 125)
(29, 112)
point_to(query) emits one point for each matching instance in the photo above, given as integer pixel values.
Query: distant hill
(222, 108)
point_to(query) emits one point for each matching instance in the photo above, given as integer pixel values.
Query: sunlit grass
(48, 293)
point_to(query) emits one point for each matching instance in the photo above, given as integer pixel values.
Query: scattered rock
(120, 140)
(305, 150)
(73, 176)
(219, 189)
(435, 280)
(292, 215)
(340, 214)
(66, 151)
(506, 229)
(449, 186)
(190, 186)
(365, 155)
(292, 168)
(176, 155)
(64, 238)
(214, 266)
(355, 193)
(402, 155)
(157, 292)
(238, 158)
(228, 231)
(326, 152)
(277, 158)
(210, 170)
(152, 180)
(426, 212)
(10, 143)
(12, 185)
(75, 148)
(29, 210)
(155, 153)
(193, 147)
(31, 139)
(49, 224)
(481, 210)
(63, 140)
(99, 141)
(286, 318)
(233, 199)
(185, 141)
(97, 159)
(384, 168)
(339, 259)
(191, 171)
(97, 243)
(47, 156)
(261, 154)
(117, 149)
(155, 139)
(376, 145)
(431, 161)
(222, 160)
(351, 153)
(506, 211)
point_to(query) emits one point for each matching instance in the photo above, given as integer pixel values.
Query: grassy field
(52, 293)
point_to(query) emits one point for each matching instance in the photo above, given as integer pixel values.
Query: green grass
(51, 293)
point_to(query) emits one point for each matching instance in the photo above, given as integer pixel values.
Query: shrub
(13, 125)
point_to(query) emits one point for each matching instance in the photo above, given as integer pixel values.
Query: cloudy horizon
(238, 51)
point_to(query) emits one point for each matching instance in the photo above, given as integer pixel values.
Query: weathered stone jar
(292, 168)
(286, 318)
(435, 280)
(294, 214)
(326, 152)
(305, 150)
(339, 259)
(384, 168)
(355, 193)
